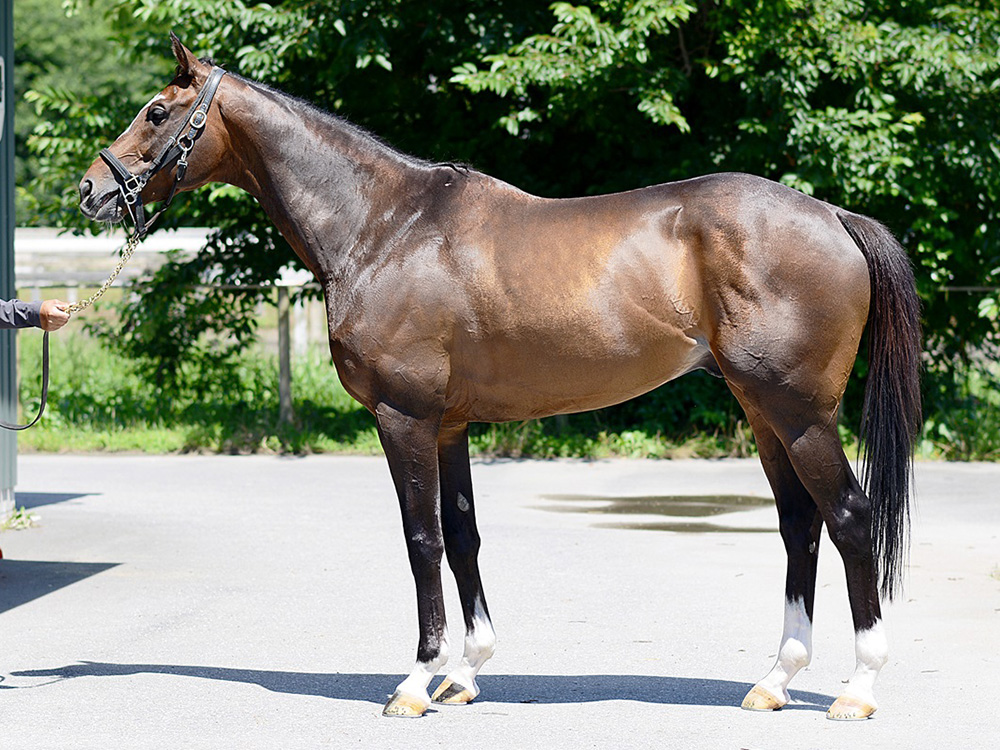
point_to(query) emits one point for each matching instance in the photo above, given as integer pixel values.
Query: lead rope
(130, 246)
(45, 389)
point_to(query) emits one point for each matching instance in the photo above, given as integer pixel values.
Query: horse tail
(891, 416)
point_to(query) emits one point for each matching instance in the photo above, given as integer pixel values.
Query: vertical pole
(284, 359)
(300, 331)
(8, 350)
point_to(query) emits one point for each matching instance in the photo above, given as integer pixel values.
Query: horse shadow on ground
(373, 688)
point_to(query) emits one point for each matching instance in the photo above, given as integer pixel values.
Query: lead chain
(130, 246)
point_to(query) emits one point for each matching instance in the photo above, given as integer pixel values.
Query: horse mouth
(110, 208)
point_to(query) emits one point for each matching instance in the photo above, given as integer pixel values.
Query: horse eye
(157, 115)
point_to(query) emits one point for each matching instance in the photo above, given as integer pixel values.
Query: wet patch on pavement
(682, 510)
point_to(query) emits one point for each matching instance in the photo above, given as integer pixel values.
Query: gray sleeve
(17, 314)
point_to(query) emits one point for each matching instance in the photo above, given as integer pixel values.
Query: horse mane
(304, 106)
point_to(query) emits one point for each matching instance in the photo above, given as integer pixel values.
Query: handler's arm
(17, 314)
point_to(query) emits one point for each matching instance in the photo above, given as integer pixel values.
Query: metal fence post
(8, 350)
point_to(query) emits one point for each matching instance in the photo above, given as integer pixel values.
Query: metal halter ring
(134, 184)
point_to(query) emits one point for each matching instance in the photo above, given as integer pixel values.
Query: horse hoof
(849, 708)
(759, 699)
(452, 692)
(406, 706)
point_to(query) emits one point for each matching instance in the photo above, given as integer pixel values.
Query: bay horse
(453, 297)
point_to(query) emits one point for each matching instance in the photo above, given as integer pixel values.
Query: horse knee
(461, 544)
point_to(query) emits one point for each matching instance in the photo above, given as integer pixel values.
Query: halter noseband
(178, 147)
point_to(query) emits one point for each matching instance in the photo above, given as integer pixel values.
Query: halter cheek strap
(177, 148)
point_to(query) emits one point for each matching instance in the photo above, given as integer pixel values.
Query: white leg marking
(416, 683)
(795, 651)
(480, 643)
(872, 649)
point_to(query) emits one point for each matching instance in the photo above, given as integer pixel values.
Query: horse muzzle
(101, 200)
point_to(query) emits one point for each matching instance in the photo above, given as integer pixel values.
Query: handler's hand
(53, 314)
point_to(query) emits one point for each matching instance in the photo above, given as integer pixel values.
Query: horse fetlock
(794, 655)
(480, 645)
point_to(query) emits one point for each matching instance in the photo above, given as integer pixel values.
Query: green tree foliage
(887, 108)
(382, 63)
(69, 82)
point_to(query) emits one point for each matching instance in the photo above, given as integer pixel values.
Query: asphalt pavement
(266, 602)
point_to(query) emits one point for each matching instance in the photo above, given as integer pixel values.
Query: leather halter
(178, 147)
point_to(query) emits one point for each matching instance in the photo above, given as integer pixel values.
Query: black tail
(891, 418)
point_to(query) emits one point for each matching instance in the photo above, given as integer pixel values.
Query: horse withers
(453, 297)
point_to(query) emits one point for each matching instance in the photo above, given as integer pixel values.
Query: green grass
(968, 428)
(20, 519)
(548, 439)
(99, 401)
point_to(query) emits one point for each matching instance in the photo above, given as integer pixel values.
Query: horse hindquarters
(787, 360)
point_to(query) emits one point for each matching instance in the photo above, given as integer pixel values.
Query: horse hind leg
(800, 525)
(847, 512)
(816, 455)
(461, 539)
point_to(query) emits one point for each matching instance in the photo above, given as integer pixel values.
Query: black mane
(306, 107)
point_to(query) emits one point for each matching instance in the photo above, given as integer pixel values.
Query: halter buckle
(198, 119)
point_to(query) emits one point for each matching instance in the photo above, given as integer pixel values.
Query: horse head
(149, 161)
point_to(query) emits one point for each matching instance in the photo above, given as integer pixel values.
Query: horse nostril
(86, 188)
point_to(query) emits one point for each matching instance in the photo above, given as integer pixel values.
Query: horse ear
(186, 59)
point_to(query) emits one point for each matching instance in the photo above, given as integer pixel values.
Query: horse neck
(314, 175)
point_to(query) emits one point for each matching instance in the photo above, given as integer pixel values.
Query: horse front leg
(461, 541)
(410, 446)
